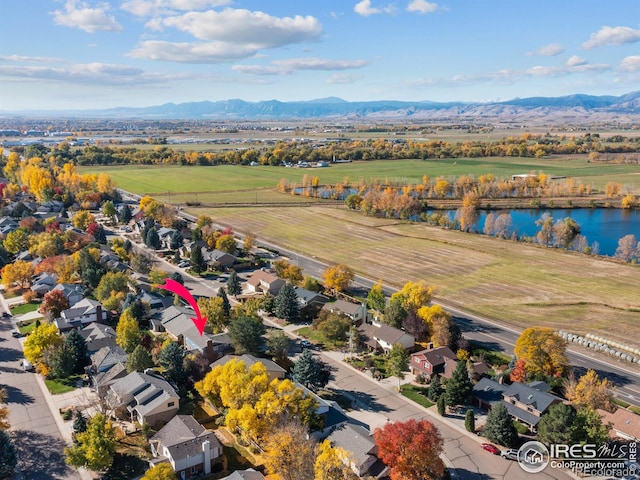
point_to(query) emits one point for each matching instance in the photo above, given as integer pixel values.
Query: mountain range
(569, 109)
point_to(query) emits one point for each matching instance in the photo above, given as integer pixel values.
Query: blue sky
(99, 54)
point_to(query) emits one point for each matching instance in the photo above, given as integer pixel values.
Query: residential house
(7, 225)
(190, 448)
(43, 283)
(101, 381)
(217, 258)
(357, 312)
(74, 292)
(165, 234)
(382, 337)
(143, 397)
(248, 474)
(622, 423)
(105, 358)
(83, 312)
(98, 335)
(273, 369)
(361, 448)
(309, 298)
(176, 321)
(262, 281)
(524, 402)
(432, 361)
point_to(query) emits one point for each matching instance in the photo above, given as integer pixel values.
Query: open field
(516, 283)
(182, 179)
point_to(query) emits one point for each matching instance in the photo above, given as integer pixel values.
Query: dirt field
(516, 283)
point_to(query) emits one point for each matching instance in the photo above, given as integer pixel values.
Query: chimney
(206, 449)
(430, 346)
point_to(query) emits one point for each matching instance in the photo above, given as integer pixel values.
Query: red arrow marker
(181, 291)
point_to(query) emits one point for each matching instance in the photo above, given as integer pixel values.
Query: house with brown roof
(357, 312)
(623, 423)
(248, 474)
(382, 337)
(263, 282)
(190, 448)
(432, 361)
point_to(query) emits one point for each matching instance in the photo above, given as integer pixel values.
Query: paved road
(625, 376)
(38, 440)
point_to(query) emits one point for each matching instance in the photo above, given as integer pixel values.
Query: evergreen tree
(226, 305)
(246, 335)
(92, 271)
(152, 239)
(499, 427)
(310, 371)
(394, 313)
(139, 360)
(101, 236)
(172, 360)
(149, 223)
(8, 456)
(125, 214)
(442, 408)
(268, 304)
(470, 421)
(79, 423)
(286, 305)
(233, 284)
(78, 347)
(176, 240)
(177, 277)
(459, 386)
(63, 361)
(558, 425)
(198, 263)
(435, 389)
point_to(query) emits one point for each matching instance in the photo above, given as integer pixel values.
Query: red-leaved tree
(411, 450)
(53, 303)
(519, 373)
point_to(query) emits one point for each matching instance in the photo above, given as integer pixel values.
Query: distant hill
(572, 108)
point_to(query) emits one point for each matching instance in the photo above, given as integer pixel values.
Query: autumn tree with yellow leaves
(338, 277)
(542, 351)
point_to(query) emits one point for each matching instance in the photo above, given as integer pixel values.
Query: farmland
(516, 283)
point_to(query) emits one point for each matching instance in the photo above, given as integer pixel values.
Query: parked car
(6, 314)
(305, 343)
(26, 365)
(16, 333)
(491, 448)
(511, 454)
(184, 264)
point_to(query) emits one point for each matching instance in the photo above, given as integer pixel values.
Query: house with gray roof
(106, 357)
(248, 474)
(98, 335)
(309, 298)
(190, 448)
(143, 397)
(217, 257)
(524, 402)
(81, 313)
(74, 292)
(101, 381)
(361, 448)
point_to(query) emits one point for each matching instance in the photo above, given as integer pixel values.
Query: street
(38, 441)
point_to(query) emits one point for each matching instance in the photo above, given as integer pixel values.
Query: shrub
(441, 405)
(470, 421)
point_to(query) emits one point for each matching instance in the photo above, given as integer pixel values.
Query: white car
(26, 365)
(511, 454)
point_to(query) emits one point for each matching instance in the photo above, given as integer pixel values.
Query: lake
(603, 225)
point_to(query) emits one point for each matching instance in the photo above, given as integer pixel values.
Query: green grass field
(176, 179)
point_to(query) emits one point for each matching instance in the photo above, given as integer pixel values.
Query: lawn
(417, 394)
(62, 385)
(318, 338)
(491, 357)
(28, 328)
(24, 308)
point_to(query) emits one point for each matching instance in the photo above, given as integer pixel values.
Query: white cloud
(548, 50)
(612, 36)
(342, 78)
(422, 6)
(89, 73)
(630, 64)
(575, 61)
(78, 14)
(23, 58)
(292, 65)
(212, 52)
(246, 27)
(149, 8)
(364, 8)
